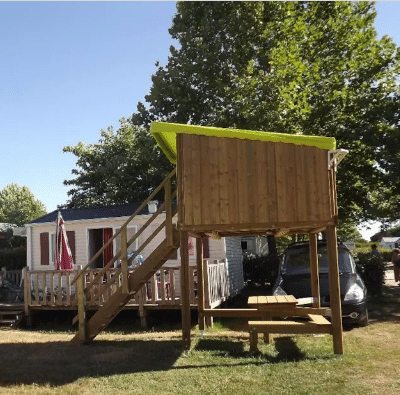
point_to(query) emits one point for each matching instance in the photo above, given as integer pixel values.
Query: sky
(70, 69)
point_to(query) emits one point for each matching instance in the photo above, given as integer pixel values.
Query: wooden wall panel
(233, 182)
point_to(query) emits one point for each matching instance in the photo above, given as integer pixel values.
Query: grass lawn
(120, 362)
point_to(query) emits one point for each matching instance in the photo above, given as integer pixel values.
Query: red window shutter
(206, 247)
(44, 248)
(71, 242)
(108, 252)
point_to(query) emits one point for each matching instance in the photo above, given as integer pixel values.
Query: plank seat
(319, 320)
(287, 327)
(317, 324)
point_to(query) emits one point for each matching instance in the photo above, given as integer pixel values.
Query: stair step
(7, 321)
(10, 312)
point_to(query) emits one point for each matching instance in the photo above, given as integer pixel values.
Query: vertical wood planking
(312, 183)
(242, 182)
(319, 210)
(322, 176)
(187, 144)
(223, 163)
(301, 186)
(213, 162)
(251, 181)
(291, 182)
(233, 164)
(205, 181)
(196, 183)
(272, 199)
(280, 172)
(262, 186)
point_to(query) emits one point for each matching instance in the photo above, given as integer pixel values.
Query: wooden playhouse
(231, 183)
(236, 182)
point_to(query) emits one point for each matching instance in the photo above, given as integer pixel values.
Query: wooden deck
(53, 290)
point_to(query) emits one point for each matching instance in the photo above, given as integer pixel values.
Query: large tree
(18, 205)
(123, 167)
(313, 68)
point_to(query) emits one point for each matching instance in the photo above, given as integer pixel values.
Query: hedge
(372, 271)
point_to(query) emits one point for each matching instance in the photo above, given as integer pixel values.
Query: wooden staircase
(136, 280)
(125, 282)
(10, 315)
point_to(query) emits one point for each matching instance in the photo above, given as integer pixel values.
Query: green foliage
(18, 205)
(123, 167)
(313, 68)
(348, 232)
(372, 271)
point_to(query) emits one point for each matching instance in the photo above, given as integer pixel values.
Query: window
(47, 245)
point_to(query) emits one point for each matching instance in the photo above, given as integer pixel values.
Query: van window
(297, 261)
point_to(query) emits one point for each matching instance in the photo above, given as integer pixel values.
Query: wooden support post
(27, 299)
(168, 214)
(266, 316)
(314, 270)
(124, 261)
(186, 322)
(334, 289)
(142, 310)
(81, 307)
(253, 340)
(200, 283)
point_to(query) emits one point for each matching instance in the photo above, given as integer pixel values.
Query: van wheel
(364, 321)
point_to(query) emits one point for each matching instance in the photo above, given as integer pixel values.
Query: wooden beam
(186, 322)
(334, 289)
(314, 270)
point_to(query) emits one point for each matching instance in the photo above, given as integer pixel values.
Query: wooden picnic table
(284, 305)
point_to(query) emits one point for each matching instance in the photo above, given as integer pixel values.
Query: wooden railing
(216, 283)
(55, 288)
(13, 276)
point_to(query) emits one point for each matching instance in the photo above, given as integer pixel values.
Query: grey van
(294, 279)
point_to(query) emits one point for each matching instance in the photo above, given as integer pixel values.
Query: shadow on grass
(59, 363)
(286, 348)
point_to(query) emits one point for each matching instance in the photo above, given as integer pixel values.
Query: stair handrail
(137, 252)
(116, 234)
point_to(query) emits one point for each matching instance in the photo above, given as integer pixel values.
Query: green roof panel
(165, 135)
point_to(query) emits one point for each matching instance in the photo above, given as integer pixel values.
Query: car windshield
(297, 261)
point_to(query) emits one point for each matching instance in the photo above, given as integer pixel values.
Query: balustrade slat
(172, 285)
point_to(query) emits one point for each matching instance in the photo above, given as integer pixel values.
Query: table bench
(284, 305)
